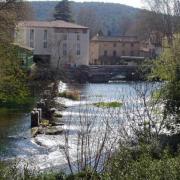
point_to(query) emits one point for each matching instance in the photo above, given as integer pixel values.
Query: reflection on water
(15, 124)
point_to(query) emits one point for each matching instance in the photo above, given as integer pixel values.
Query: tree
(125, 25)
(13, 87)
(167, 68)
(88, 17)
(11, 12)
(161, 16)
(63, 11)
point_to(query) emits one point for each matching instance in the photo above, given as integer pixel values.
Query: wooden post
(34, 119)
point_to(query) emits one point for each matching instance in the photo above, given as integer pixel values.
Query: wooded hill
(114, 19)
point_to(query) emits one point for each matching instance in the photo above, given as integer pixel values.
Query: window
(78, 36)
(132, 44)
(32, 38)
(132, 53)
(105, 53)
(114, 53)
(78, 49)
(45, 38)
(65, 37)
(64, 49)
(114, 45)
(123, 53)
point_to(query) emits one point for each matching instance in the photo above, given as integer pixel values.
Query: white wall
(55, 45)
(71, 42)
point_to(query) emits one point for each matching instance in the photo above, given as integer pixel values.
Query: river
(47, 151)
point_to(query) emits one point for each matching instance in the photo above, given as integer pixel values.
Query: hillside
(108, 16)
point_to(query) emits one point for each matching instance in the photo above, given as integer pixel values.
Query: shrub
(130, 165)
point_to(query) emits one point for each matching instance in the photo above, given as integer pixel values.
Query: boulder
(54, 130)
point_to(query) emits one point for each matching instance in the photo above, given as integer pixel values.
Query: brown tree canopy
(12, 11)
(161, 16)
(88, 17)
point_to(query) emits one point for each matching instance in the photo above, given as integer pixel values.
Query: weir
(105, 73)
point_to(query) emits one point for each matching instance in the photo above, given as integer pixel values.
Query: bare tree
(12, 11)
(88, 17)
(125, 26)
(162, 16)
(94, 134)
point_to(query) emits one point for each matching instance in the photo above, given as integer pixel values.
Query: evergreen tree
(63, 11)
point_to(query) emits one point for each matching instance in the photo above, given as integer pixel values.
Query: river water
(47, 151)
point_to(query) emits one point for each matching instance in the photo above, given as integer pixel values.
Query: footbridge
(105, 73)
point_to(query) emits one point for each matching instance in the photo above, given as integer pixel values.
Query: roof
(50, 24)
(115, 39)
(23, 46)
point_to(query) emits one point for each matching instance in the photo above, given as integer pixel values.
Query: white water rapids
(48, 151)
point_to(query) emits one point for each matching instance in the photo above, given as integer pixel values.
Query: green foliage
(167, 68)
(12, 172)
(143, 163)
(63, 11)
(114, 104)
(13, 82)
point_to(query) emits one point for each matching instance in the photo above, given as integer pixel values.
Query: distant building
(55, 42)
(122, 50)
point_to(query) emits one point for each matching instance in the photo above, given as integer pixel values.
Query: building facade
(55, 42)
(122, 50)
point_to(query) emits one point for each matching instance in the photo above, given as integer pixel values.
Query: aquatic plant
(44, 123)
(114, 104)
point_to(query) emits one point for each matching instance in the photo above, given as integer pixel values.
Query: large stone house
(55, 42)
(122, 50)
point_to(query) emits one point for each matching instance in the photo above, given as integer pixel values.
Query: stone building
(122, 50)
(55, 42)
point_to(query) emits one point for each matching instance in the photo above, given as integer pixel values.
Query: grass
(114, 104)
(73, 95)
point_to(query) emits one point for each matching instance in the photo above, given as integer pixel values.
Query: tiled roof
(51, 24)
(115, 39)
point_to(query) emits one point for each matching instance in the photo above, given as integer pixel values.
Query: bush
(132, 165)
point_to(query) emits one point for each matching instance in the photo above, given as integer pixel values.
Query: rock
(58, 115)
(54, 130)
(57, 124)
(53, 110)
